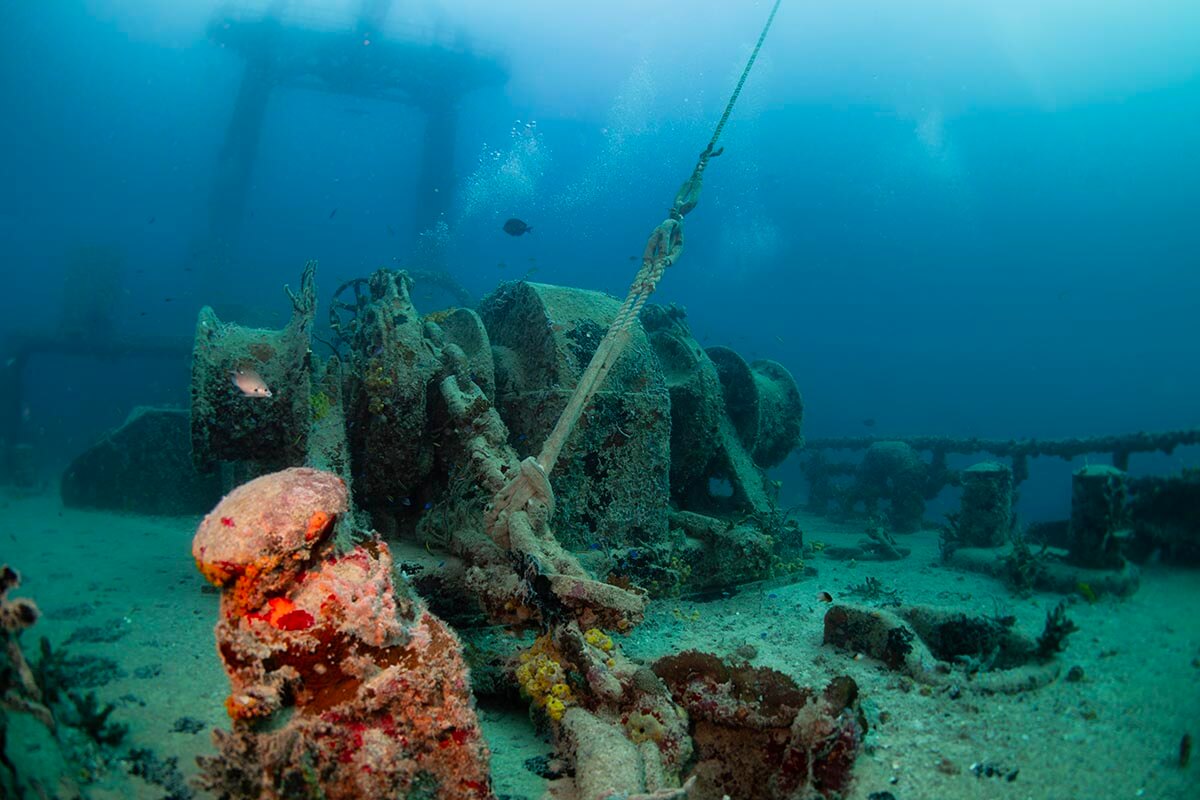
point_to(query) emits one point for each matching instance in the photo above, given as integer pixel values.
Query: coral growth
(612, 720)
(19, 690)
(93, 719)
(543, 678)
(15, 615)
(342, 687)
(1053, 639)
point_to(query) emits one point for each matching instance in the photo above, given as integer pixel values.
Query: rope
(742, 80)
(663, 249)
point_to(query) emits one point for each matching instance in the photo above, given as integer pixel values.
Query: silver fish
(249, 382)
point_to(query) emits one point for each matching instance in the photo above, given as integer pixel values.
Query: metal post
(435, 185)
(235, 165)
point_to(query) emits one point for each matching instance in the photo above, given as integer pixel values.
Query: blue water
(963, 219)
(970, 221)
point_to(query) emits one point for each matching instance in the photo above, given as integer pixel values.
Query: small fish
(825, 597)
(515, 227)
(391, 230)
(406, 501)
(249, 382)
(634, 258)
(151, 220)
(869, 422)
(427, 505)
(168, 299)
(333, 213)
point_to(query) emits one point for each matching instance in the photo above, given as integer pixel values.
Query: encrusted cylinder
(464, 328)
(228, 425)
(764, 403)
(391, 367)
(1098, 516)
(696, 403)
(985, 517)
(611, 480)
(263, 421)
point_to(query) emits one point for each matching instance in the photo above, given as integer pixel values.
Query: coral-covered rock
(269, 514)
(342, 686)
(757, 734)
(262, 535)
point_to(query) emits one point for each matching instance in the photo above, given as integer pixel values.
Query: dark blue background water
(964, 221)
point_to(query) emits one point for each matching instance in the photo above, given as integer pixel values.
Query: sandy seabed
(1115, 734)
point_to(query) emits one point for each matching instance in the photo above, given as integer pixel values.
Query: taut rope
(662, 250)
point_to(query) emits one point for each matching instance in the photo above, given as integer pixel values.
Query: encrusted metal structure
(632, 490)
(364, 54)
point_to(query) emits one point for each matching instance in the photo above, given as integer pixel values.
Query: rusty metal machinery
(633, 488)
(613, 479)
(227, 425)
